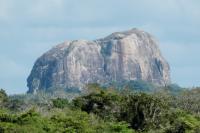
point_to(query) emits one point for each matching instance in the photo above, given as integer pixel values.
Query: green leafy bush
(3, 98)
(60, 103)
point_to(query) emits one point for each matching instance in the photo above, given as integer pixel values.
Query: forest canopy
(102, 110)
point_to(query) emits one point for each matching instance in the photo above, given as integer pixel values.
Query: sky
(28, 28)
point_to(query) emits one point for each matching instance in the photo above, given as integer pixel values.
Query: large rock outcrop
(128, 55)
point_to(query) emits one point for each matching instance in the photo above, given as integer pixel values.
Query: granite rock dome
(128, 55)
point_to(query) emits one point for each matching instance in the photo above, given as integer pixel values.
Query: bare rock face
(129, 55)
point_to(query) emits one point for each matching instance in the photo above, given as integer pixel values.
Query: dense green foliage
(103, 110)
(60, 103)
(189, 100)
(3, 97)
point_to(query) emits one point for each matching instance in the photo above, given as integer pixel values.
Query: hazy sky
(28, 28)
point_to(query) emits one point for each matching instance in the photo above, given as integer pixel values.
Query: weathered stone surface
(129, 55)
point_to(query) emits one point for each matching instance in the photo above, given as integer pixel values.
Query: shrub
(60, 103)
